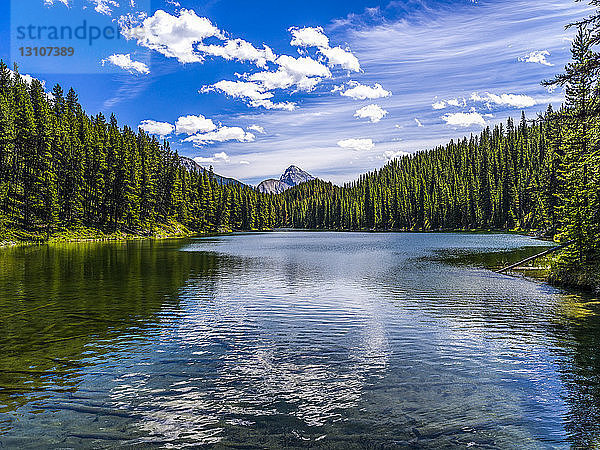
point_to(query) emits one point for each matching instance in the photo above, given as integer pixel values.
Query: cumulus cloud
(239, 50)
(184, 36)
(537, 57)
(304, 73)
(308, 37)
(372, 112)
(161, 129)
(194, 124)
(220, 157)
(439, 105)
(456, 102)
(173, 36)
(125, 62)
(27, 78)
(337, 56)
(514, 100)
(255, 94)
(464, 119)
(314, 37)
(390, 154)
(362, 92)
(222, 134)
(357, 144)
(257, 128)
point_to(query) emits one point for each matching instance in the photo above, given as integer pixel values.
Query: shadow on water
(578, 335)
(493, 260)
(61, 302)
(575, 327)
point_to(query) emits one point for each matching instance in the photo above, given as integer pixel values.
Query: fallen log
(531, 258)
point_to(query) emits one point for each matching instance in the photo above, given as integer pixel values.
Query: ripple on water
(291, 339)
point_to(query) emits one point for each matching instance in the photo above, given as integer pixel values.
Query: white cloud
(161, 129)
(390, 154)
(223, 134)
(125, 62)
(439, 105)
(337, 56)
(537, 57)
(28, 78)
(464, 119)
(172, 36)
(372, 112)
(194, 124)
(514, 100)
(221, 157)
(308, 37)
(456, 102)
(104, 6)
(303, 72)
(363, 92)
(268, 104)
(257, 128)
(244, 162)
(239, 89)
(418, 122)
(357, 144)
(254, 93)
(51, 2)
(239, 50)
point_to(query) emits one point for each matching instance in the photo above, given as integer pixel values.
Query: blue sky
(337, 88)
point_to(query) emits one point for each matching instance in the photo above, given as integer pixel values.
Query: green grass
(569, 272)
(10, 236)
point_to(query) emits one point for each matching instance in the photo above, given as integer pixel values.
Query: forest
(64, 170)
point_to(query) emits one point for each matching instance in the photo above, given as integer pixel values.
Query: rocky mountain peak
(293, 176)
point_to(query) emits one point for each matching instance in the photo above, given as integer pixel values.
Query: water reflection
(292, 339)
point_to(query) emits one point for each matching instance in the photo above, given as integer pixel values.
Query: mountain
(190, 165)
(293, 176)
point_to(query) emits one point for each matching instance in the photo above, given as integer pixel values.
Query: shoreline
(586, 279)
(173, 231)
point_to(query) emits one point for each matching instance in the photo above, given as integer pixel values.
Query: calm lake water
(293, 339)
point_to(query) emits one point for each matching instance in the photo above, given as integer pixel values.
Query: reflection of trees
(581, 372)
(57, 299)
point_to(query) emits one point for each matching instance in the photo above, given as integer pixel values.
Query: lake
(294, 339)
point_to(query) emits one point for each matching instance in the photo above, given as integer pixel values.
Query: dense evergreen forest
(61, 169)
(542, 175)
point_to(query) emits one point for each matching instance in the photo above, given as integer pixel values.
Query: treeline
(543, 175)
(60, 169)
(504, 178)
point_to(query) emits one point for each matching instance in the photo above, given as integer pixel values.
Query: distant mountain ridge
(192, 165)
(293, 176)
